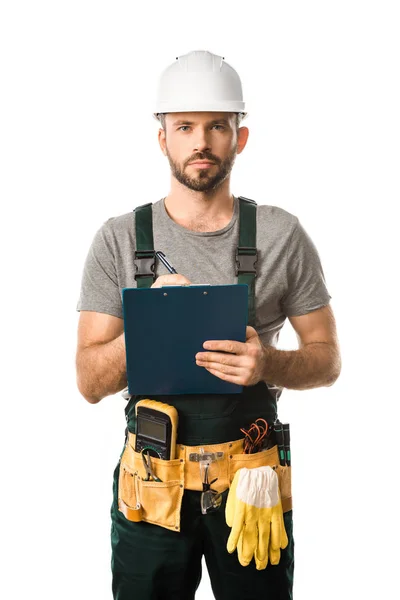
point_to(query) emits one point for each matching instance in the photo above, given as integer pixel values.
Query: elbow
(335, 367)
(86, 392)
(88, 397)
(331, 381)
(334, 375)
(84, 382)
(91, 399)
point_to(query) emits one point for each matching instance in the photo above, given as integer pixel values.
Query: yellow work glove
(254, 512)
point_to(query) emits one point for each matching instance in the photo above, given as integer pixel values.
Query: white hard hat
(199, 81)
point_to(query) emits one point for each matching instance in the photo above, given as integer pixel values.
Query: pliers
(149, 471)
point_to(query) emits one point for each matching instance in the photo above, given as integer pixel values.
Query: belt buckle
(205, 456)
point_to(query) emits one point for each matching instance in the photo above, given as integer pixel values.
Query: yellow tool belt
(159, 502)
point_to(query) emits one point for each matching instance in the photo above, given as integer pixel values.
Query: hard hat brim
(159, 112)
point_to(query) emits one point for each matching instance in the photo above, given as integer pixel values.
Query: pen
(165, 262)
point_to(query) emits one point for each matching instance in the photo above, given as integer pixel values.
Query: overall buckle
(246, 258)
(145, 263)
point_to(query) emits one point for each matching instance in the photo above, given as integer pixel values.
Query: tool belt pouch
(160, 503)
(156, 502)
(264, 458)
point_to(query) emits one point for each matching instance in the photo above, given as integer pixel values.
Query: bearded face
(201, 147)
(202, 178)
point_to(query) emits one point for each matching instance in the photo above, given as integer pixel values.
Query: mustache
(203, 156)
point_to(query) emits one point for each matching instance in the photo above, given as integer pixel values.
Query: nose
(201, 141)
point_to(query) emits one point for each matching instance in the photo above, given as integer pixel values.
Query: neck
(202, 211)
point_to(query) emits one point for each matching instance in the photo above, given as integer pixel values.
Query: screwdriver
(286, 441)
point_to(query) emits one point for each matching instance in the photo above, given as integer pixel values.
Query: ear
(243, 134)
(162, 141)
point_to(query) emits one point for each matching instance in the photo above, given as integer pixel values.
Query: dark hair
(161, 118)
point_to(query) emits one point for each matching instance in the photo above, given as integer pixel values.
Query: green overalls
(150, 562)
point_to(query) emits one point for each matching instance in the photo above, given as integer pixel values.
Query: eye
(183, 127)
(220, 126)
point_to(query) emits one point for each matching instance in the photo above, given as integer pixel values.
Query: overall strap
(246, 253)
(144, 254)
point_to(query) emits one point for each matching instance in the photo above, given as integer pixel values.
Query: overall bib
(150, 562)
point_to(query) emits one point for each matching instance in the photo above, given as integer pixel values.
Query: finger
(225, 377)
(274, 556)
(218, 358)
(260, 564)
(280, 524)
(264, 529)
(221, 368)
(230, 506)
(251, 333)
(250, 535)
(230, 346)
(275, 543)
(275, 536)
(275, 540)
(284, 537)
(237, 526)
(240, 549)
(244, 561)
(170, 279)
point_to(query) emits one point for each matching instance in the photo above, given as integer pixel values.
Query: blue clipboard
(166, 327)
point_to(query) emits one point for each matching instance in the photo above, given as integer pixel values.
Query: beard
(203, 181)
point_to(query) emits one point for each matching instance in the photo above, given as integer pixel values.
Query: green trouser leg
(153, 563)
(231, 581)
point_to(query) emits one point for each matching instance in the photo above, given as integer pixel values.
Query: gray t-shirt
(290, 279)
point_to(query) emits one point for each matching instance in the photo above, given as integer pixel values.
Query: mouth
(202, 164)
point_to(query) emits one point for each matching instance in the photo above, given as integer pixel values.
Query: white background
(78, 145)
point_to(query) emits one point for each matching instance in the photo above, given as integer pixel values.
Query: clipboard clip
(185, 284)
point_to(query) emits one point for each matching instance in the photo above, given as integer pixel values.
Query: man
(200, 107)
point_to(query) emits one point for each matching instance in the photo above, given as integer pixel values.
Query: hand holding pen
(173, 279)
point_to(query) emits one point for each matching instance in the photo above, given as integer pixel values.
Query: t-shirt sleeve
(306, 287)
(99, 286)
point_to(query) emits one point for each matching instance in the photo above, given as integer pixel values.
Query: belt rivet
(230, 456)
(230, 445)
(181, 459)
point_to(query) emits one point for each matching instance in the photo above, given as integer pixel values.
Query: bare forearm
(101, 369)
(314, 365)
